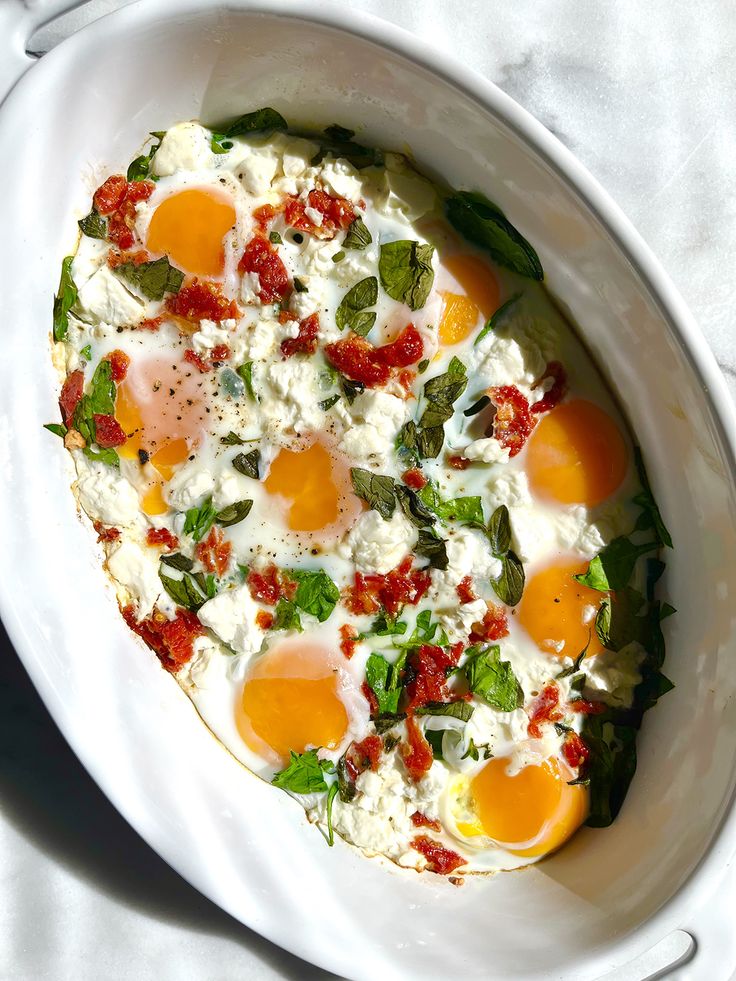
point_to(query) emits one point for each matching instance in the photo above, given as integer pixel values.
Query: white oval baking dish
(608, 895)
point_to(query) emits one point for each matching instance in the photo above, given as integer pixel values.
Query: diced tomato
(287, 317)
(512, 423)
(358, 359)
(406, 380)
(71, 393)
(264, 215)
(214, 552)
(554, 396)
(197, 360)
(116, 199)
(105, 534)
(427, 674)
(220, 352)
(162, 537)
(337, 213)
(264, 620)
(416, 751)
(108, 431)
(441, 860)
(458, 462)
(406, 349)
(115, 258)
(545, 708)
(366, 754)
(150, 323)
(464, 590)
(270, 585)
(493, 626)
(109, 196)
(390, 591)
(414, 478)
(202, 300)
(585, 707)
(420, 820)
(574, 750)
(261, 258)
(370, 697)
(305, 341)
(349, 639)
(119, 362)
(171, 640)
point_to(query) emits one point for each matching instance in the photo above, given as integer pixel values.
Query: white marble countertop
(643, 94)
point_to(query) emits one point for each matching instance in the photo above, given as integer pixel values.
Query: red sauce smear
(416, 752)
(214, 552)
(545, 708)
(349, 639)
(420, 820)
(493, 626)
(391, 591)
(200, 300)
(105, 534)
(162, 537)
(305, 341)
(556, 393)
(427, 674)
(119, 362)
(512, 423)
(358, 359)
(441, 860)
(270, 586)
(116, 200)
(71, 393)
(108, 431)
(414, 478)
(261, 258)
(170, 640)
(464, 590)
(337, 213)
(575, 751)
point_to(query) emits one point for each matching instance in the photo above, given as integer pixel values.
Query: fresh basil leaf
(178, 561)
(326, 404)
(348, 314)
(477, 407)
(376, 490)
(198, 521)
(610, 768)
(331, 794)
(99, 400)
(233, 514)
(379, 675)
(645, 500)
(299, 286)
(422, 366)
(258, 121)
(385, 721)
(432, 547)
(286, 616)
(153, 279)
(275, 239)
(140, 168)
(246, 373)
(499, 531)
(316, 593)
(385, 626)
(351, 389)
(413, 507)
(617, 622)
(494, 321)
(407, 445)
(441, 393)
(66, 297)
(357, 236)
(456, 367)
(86, 352)
(430, 442)
(184, 592)
(406, 272)
(510, 584)
(484, 224)
(473, 751)
(575, 666)
(345, 783)
(219, 143)
(492, 679)
(108, 456)
(304, 774)
(455, 710)
(232, 439)
(338, 256)
(248, 463)
(434, 737)
(207, 584)
(612, 568)
(93, 225)
(340, 134)
(57, 428)
(466, 510)
(426, 631)
(355, 153)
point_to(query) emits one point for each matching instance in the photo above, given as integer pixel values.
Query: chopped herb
(57, 428)
(345, 783)
(108, 456)
(316, 593)
(509, 586)
(340, 134)
(466, 510)
(198, 521)
(232, 439)
(385, 721)
(499, 531)
(434, 737)
(385, 626)
(406, 272)
(423, 365)
(384, 679)
(233, 514)
(178, 561)
(425, 632)
(86, 352)
(473, 751)
(611, 569)
(351, 389)
(99, 400)
(258, 121)
(492, 679)
(650, 516)
(275, 238)
(414, 507)
(248, 463)
(618, 623)
(478, 406)
(441, 393)
(338, 257)
(304, 774)
(358, 236)
(93, 225)
(140, 168)
(500, 314)
(66, 297)
(455, 710)
(331, 794)
(153, 279)
(575, 666)
(484, 224)
(327, 403)
(299, 286)
(432, 547)
(246, 373)
(220, 143)
(376, 490)
(356, 154)
(351, 312)
(286, 616)
(185, 593)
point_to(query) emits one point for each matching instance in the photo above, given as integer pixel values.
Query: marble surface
(643, 95)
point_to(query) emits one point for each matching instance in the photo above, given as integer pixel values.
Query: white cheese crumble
(211, 334)
(289, 399)
(376, 545)
(189, 486)
(185, 146)
(468, 554)
(104, 300)
(487, 450)
(232, 616)
(378, 417)
(104, 494)
(136, 568)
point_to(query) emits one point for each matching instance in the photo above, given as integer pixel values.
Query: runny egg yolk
(160, 407)
(315, 484)
(532, 813)
(189, 227)
(576, 455)
(290, 701)
(558, 612)
(477, 296)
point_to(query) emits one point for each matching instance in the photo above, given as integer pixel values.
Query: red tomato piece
(427, 673)
(390, 591)
(414, 478)
(170, 640)
(214, 552)
(337, 213)
(220, 352)
(162, 537)
(556, 393)
(545, 708)
(150, 323)
(512, 423)
(355, 357)
(119, 363)
(349, 639)
(261, 258)
(270, 586)
(200, 300)
(458, 462)
(406, 349)
(494, 625)
(464, 590)
(264, 215)
(105, 534)
(264, 620)
(420, 820)
(370, 697)
(110, 195)
(416, 751)
(305, 341)
(71, 393)
(441, 860)
(193, 358)
(575, 751)
(585, 707)
(108, 431)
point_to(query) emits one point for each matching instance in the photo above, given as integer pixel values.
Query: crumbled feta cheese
(296, 156)
(250, 288)
(256, 341)
(289, 399)
(189, 486)
(457, 623)
(91, 254)
(316, 217)
(504, 361)
(341, 178)
(405, 191)
(136, 569)
(377, 545)
(257, 170)
(612, 677)
(487, 450)
(511, 488)
(232, 616)
(378, 417)
(104, 494)
(210, 335)
(468, 554)
(185, 146)
(358, 264)
(104, 300)
(309, 301)
(230, 487)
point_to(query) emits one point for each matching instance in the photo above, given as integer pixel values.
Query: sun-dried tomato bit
(414, 478)
(396, 588)
(105, 534)
(544, 709)
(513, 422)
(264, 215)
(171, 640)
(137, 258)
(406, 379)
(305, 341)
(162, 538)
(586, 707)
(108, 431)
(464, 590)
(336, 213)
(555, 393)
(420, 820)
(270, 585)
(261, 258)
(214, 552)
(416, 752)
(370, 697)
(150, 323)
(367, 753)
(493, 626)
(109, 196)
(119, 363)
(426, 674)
(358, 359)
(71, 393)
(264, 619)
(405, 350)
(348, 639)
(116, 199)
(201, 300)
(219, 353)
(575, 751)
(439, 859)
(197, 360)
(458, 462)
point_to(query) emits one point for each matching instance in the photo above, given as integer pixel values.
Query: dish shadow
(52, 801)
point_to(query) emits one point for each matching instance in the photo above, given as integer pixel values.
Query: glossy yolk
(189, 227)
(558, 613)
(166, 426)
(316, 486)
(477, 296)
(576, 455)
(290, 701)
(532, 813)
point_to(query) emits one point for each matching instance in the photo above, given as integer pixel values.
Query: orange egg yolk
(576, 455)
(189, 227)
(163, 425)
(290, 702)
(558, 612)
(315, 485)
(477, 296)
(532, 813)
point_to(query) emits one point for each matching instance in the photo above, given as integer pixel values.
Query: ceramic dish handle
(18, 21)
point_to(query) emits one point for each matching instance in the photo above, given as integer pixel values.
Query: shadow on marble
(51, 800)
